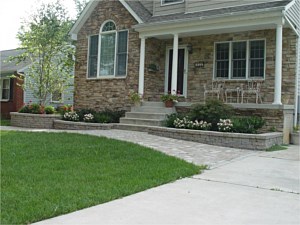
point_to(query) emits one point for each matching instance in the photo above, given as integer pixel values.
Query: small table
(234, 94)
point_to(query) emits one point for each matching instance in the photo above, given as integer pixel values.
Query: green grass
(277, 148)
(44, 175)
(4, 122)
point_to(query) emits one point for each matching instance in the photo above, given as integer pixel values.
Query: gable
(87, 12)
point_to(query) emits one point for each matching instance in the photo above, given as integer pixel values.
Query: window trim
(171, 3)
(1, 90)
(113, 76)
(247, 77)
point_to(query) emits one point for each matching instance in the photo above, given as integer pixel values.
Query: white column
(142, 66)
(175, 65)
(278, 66)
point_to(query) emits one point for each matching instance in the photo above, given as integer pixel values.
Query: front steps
(148, 114)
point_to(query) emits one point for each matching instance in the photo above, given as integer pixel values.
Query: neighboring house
(192, 43)
(12, 95)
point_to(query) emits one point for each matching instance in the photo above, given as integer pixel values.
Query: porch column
(278, 66)
(175, 65)
(142, 66)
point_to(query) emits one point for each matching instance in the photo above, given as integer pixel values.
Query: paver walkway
(197, 153)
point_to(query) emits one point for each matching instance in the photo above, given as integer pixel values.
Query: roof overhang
(232, 22)
(86, 13)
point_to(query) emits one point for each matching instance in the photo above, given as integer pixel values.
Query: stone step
(136, 121)
(150, 109)
(144, 115)
(153, 104)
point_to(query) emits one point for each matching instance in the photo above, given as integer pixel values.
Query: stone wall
(232, 140)
(41, 121)
(68, 125)
(112, 93)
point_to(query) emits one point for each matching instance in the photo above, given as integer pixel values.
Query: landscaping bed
(29, 120)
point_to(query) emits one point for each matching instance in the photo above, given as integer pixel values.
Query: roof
(144, 17)
(10, 67)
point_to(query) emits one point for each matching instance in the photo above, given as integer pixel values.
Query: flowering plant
(71, 116)
(88, 117)
(225, 125)
(185, 123)
(169, 97)
(135, 97)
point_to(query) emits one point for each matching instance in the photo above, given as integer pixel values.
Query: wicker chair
(216, 89)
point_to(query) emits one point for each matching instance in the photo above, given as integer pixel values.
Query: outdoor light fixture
(190, 48)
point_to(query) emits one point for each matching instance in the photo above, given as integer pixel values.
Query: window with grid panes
(112, 51)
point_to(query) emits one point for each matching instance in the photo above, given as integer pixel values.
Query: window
(5, 89)
(169, 2)
(240, 59)
(108, 52)
(56, 96)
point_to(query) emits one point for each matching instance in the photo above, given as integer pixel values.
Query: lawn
(44, 175)
(4, 122)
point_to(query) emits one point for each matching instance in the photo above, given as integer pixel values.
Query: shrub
(185, 123)
(33, 108)
(102, 118)
(225, 125)
(82, 112)
(212, 111)
(169, 121)
(63, 109)
(247, 124)
(25, 109)
(114, 115)
(71, 116)
(49, 110)
(88, 118)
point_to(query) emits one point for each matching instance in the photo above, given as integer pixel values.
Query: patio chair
(216, 89)
(253, 88)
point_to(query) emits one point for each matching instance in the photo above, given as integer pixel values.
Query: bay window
(108, 52)
(240, 59)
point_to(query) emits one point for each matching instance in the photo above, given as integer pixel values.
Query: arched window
(108, 51)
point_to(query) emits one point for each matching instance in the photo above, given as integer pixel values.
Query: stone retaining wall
(232, 140)
(28, 120)
(68, 125)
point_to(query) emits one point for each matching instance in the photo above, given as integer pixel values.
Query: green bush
(169, 121)
(114, 115)
(82, 112)
(49, 109)
(33, 108)
(212, 111)
(101, 118)
(246, 124)
(25, 109)
(64, 109)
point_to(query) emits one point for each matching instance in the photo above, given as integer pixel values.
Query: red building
(11, 94)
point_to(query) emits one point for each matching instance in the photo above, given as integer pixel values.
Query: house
(193, 44)
(12, 95)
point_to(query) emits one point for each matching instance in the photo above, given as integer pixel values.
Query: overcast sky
(11, 14)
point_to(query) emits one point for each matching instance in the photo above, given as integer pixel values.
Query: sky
(12, 13)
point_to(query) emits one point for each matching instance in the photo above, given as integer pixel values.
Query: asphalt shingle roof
(8, 67)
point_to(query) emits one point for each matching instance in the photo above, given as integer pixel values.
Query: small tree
(48, 49)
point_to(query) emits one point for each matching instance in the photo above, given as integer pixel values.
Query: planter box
(232, 140)
(28, 120)
(69, 125)
(295, 138)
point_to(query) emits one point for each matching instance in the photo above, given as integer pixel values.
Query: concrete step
(153, 104)
(150, 109)
(143, 115)
(135, 121)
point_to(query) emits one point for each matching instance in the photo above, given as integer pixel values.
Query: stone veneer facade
(113, 93)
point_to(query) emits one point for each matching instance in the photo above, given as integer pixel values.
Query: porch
(188, 61)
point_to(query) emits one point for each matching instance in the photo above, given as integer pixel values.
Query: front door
(181, 77)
